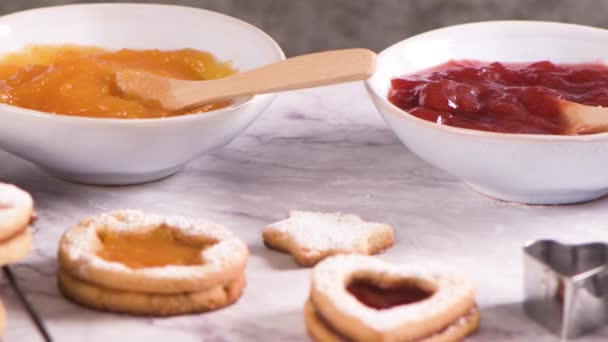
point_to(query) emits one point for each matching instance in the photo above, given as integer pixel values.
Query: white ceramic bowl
(115, 151)
(536, 169)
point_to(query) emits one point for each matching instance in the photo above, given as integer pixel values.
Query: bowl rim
(383, 100)
(177, 118)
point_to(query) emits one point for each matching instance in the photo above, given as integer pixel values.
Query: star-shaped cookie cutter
(566, 286)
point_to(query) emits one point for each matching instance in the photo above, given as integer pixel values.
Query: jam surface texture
(500, 97)
(77, 80)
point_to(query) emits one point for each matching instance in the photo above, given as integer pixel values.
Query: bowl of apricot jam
(60, 108)
(479, 101)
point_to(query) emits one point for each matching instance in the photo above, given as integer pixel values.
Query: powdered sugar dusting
(82, 243)
(8, 195)
(331, 275)
(325, 231)
(135, 221)
(16, 208)
(13, 197)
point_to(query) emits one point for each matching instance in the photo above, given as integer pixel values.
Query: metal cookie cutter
(566, 286)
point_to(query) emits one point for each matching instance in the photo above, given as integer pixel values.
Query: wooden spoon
(305, 71)
(582, 119)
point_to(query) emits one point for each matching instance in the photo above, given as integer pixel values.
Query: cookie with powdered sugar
(134, 262)
(312, 236)
(2, 319)
(362, 298)
(16, 215)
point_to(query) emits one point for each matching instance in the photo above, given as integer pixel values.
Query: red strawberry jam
(509, 98)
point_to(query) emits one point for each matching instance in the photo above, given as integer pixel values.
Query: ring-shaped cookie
(451, 298)
(2, 320)
(138, 303)
(321, 332)
(16, 210)
(223, 261)
(16, 247)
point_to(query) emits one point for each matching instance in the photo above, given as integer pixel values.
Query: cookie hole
(388, 293)
(159, 247)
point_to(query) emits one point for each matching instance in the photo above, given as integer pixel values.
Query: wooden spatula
(582, 119)
(305, 71)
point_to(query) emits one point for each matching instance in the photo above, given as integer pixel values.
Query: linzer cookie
(2, 320)
(312, 236)
(139, 263)
(16, 212)
(361, 298)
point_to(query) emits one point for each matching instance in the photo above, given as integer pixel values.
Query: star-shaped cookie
(312, 236)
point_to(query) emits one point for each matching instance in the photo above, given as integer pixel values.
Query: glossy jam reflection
(153, 249)
(74, 80)
(382, 297)
(510, 98)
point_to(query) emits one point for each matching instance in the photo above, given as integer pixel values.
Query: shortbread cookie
(2, 320)
(140, 303)
(133, 262)
(16, 248)
(16, 212)
(320, 330)
(361, 298)
(221, 258)
(312, 236)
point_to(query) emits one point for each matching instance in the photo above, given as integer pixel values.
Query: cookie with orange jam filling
(361, 298)
(139, 263)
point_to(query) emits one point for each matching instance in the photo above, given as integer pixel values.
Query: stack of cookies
(139, 263)
(361, 298)
(357, 297)
(16, 213)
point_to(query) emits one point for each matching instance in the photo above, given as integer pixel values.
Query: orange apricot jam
(156, 248)
(78, 80)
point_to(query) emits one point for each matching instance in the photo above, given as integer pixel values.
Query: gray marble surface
(323, 149)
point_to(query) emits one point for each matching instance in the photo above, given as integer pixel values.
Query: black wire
(28, 306)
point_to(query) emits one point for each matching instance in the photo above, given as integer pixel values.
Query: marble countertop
(323, 149)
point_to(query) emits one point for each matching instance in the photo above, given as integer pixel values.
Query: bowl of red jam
(480, 101)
